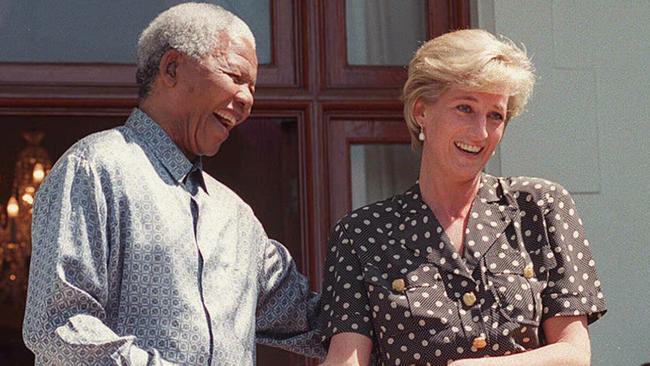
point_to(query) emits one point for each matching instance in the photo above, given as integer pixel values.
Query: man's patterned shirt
(133, 266)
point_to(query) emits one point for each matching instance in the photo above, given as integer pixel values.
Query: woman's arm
(568, 345)
(348, 349)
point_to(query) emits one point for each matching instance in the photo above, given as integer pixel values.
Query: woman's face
(462, 129)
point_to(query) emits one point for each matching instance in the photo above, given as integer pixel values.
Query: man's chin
(213, 151)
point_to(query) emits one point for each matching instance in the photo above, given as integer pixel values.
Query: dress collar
(490, 190)
(492, 211)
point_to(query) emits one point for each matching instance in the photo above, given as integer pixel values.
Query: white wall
(588, 127)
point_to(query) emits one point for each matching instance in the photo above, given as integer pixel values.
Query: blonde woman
(464, 268)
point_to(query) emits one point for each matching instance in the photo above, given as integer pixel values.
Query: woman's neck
(448, 199)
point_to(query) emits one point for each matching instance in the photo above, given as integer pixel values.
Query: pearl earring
(421, 134)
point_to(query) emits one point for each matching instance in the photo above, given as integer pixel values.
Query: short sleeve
(345, 306)
(573, 284)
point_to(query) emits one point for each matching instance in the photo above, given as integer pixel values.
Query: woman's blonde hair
(471, 59)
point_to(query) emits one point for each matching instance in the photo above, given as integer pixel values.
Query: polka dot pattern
(392, 274)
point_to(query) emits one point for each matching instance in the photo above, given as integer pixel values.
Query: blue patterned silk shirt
(133, 265)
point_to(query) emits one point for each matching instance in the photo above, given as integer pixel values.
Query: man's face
(214, 95)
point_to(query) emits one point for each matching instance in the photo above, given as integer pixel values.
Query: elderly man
(141, 258)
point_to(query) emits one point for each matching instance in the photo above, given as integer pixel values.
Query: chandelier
(32, 164)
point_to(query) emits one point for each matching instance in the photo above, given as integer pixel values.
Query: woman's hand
(568, 345)
(348, 349)
(467, 362)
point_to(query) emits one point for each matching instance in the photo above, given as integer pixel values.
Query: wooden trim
(337, 74)
(345, 129)
(459, 14)
(63, 84)
(283, 71)
(12, 74)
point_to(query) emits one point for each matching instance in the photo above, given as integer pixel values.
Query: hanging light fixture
(32, 165)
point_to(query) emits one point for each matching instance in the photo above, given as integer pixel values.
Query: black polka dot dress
(393, 275)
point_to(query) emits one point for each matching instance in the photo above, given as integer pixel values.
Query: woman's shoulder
(531, 184)
(538, 190)
(376, 213)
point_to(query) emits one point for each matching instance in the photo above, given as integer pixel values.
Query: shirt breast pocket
(386, 305)
(513, 280)
(412, 307)
(429, 305)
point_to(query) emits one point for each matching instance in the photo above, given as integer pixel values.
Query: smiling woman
(463, 265)
(462, 129)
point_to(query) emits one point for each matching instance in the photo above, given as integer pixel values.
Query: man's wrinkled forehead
(233, 42)
(239, 28)
(238, 35)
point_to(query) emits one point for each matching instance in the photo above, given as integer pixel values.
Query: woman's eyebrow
(473, 99)
(466, 97)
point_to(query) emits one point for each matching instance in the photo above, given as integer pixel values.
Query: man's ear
(167, 68)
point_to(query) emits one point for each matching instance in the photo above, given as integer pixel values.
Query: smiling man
(140, 257)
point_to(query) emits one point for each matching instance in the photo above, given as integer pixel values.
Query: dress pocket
(434, 318)
(387, 306)
(431, 308)
(514, 284)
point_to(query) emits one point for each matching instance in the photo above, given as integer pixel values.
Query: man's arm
(287, 311)
(68, 282)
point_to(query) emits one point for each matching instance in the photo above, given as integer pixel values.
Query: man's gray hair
(190, 28)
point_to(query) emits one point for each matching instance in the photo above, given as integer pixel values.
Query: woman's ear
(167, 68)
(419, 108)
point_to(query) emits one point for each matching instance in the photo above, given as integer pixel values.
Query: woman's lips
(467, 148)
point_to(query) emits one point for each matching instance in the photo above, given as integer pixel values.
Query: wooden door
(260, 162)
(305, 95)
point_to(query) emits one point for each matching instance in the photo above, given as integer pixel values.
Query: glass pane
(384, 32)
(381, 170)
(86, 31)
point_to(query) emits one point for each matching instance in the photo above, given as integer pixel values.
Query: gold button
(528, 271)
(479, 342)
(469, 298)
(399, 285)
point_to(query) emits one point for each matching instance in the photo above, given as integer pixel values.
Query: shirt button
(528, 271)
(399, 285)
(479, 342)
(469, 298)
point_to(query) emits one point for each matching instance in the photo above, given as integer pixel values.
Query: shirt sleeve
(573, 284)
(65, 312)
(287, 311)
(345, 302)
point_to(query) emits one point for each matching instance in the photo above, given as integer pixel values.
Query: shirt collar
(161, 146)
(198, 176)
(493, 208)
(491, 189)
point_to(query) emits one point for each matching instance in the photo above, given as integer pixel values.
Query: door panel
(259, 161)
(360, 151)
